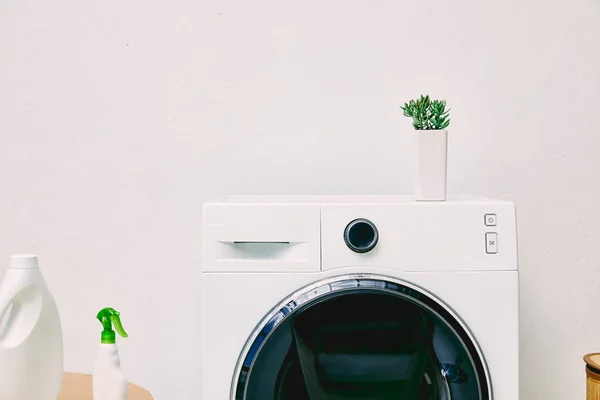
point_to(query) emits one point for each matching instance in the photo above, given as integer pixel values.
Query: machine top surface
(463, 199)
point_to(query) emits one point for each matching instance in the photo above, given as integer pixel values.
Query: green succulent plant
(427, 114)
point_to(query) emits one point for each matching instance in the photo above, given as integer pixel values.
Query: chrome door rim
(375, 282)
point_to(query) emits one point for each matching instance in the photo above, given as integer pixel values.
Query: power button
(491, 220)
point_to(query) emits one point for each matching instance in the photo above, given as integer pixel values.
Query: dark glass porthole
(361, 337)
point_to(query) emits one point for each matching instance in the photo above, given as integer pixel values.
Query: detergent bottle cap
(109, 318)
(23, 261)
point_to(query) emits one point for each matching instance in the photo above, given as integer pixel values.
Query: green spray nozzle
(109, 318)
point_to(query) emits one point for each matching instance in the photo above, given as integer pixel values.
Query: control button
(361, 235)
(490, 219)
(491, 243)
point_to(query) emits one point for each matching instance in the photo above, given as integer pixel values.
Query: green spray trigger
(109, 317)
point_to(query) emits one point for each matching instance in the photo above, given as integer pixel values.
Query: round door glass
(361, 337)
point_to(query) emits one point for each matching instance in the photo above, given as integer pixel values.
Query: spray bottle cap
(109, 317)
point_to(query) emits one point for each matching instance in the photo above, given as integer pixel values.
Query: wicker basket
(592, 370)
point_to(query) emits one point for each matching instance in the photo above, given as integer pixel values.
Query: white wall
(118, 119)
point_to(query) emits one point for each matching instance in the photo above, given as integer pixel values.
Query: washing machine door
(361, 337)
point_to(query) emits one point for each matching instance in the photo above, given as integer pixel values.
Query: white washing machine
(378, 298)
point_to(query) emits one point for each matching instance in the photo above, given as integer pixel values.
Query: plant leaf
(427, 113)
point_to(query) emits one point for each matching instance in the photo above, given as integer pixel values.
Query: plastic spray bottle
(109, 383)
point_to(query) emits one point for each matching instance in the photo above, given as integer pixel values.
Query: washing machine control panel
(269, 237)
(465, 236)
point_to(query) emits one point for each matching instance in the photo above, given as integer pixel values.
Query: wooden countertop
(79, 387)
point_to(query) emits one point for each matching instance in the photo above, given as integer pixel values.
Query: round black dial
(361, 235)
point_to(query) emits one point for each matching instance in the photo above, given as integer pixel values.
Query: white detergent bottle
(108, 382)
(31, 348)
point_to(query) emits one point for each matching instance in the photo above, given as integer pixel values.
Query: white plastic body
(31, 348)
(108, 381)
(437, 246)
(432, 150)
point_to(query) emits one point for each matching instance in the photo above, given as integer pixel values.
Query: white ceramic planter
(432, 150)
